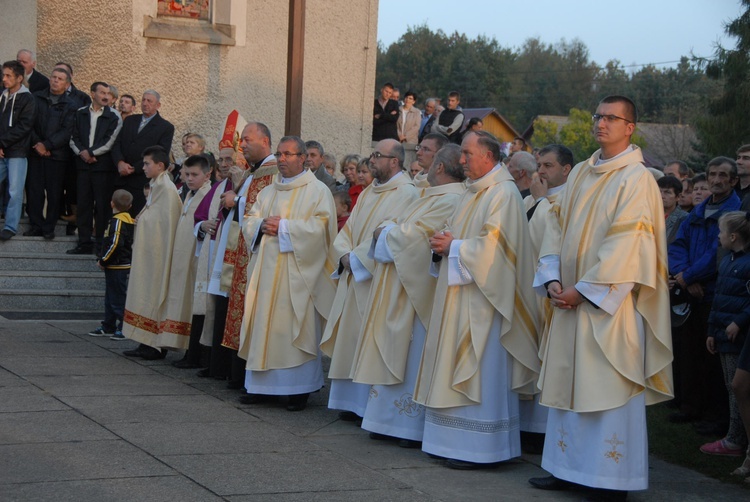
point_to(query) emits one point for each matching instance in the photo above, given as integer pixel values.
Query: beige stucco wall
(201, 83)
(17, 27)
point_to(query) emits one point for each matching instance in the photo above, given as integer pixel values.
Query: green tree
(545, 133)
(577, 134)
(726, 126)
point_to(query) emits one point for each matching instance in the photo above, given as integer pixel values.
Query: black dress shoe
(550, 483)
(256, 398)
(33, 232)
(409, 443)
(81, 249)
(463, 465)
(50, 236)
(297, 402)
(235, 385)
(349, 416)
(153, 354)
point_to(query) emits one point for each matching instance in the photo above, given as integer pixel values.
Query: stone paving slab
(49, 427)
(8, 379)
(36, 462)
(57, 366)
(27, 398)
(396, 495)
(266, 473)
(211, 438)
(141, 489)
(69, 347)
(111, 385)
(156, 409)
(374, 454)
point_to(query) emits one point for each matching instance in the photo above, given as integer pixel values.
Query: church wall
(200, 83)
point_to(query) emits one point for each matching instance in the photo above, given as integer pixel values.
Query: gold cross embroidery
(613, 453)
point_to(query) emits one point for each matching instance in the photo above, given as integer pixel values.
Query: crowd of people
(466, 302)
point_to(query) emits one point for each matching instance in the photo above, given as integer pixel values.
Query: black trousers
(194, 346)
(95, 190)
(116, 289)
(44, 180)
(221, 357)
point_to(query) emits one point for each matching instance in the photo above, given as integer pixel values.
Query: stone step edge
(52, 292)
(40, 256)
(56, 274)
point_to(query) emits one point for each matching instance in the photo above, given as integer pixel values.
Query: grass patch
(678, 444)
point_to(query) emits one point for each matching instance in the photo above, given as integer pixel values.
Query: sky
(636, 32)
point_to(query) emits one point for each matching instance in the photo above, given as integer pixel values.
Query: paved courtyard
(79, 421)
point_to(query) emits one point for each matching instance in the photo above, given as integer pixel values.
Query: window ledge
(198, 32)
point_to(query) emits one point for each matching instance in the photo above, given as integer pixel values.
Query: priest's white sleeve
(285, 240)
(458, 274)
(359, 271)
(381, 251)
(548, 269)
(606, 297)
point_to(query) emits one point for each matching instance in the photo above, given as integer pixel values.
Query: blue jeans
(15, 170)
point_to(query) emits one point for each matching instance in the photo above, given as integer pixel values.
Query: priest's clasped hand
(564, 298)
(270, 226)
(440, 243)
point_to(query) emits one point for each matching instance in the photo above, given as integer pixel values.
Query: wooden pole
(295, 67)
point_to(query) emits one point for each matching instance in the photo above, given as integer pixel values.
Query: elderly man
(139, 132)
(481, 348)
(35, 80)
(401, 299)
(608, 352)
(429, 114)
(290, 286)
(522, 167)
(386, 198)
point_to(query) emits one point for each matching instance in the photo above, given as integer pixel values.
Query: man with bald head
(400, 304)
(481, 347)
(36, 81)
(255, 142)
(522, 167)
(386, 198)
(139, 132)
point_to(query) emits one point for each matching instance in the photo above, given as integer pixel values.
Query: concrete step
(54, 280)
(43, 262)
(46, 300)
(21, 244)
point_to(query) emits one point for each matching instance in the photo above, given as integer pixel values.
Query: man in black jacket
(385, 115)
(138, 133)
(17, 112)
(50, 151)
(96, 170)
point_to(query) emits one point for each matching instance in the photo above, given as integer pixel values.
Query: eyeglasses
(278, 155)
(379, 155)
(609, 118)
(420, 147)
